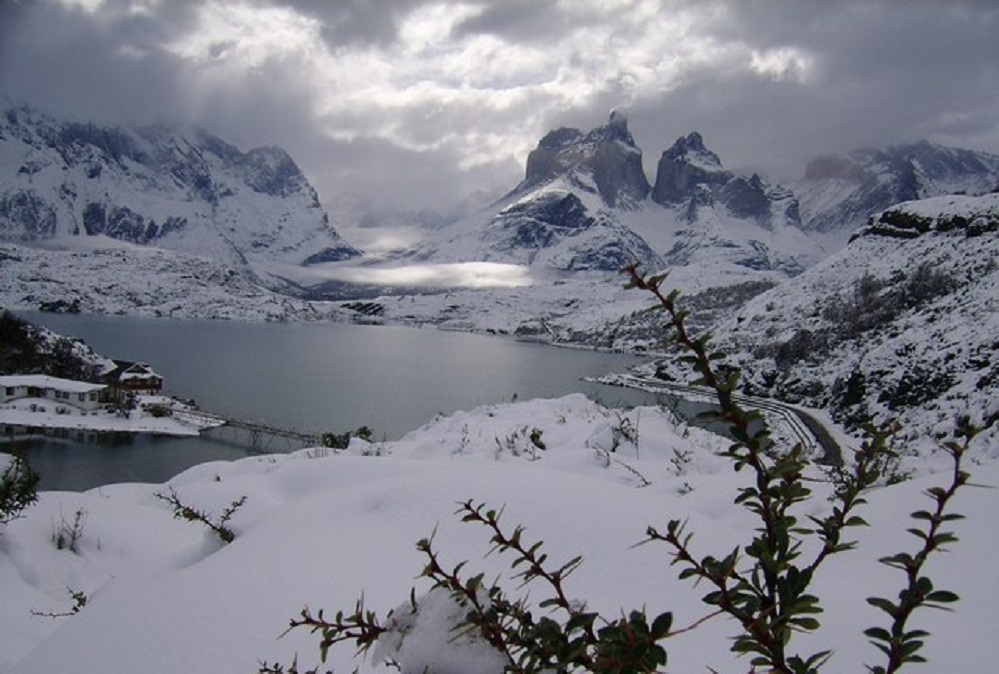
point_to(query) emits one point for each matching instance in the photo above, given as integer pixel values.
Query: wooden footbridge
(256, 432)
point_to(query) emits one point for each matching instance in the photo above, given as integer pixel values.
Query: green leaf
(661, 625)
(942, 597)
(810, 624)
(879, 633)
(883, 604)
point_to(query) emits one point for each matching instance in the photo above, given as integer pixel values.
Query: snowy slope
(902, 323)
(106, 277)
(555, 227)
(184, 191)
(321, 529)
(839, 193)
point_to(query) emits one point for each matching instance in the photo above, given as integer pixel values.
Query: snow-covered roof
(45, 381)
(127, 370)
(138, 375)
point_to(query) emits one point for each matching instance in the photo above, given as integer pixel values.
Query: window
(82, 397)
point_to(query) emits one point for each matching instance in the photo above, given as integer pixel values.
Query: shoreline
(20, 415)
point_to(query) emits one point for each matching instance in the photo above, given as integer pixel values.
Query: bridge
(256, 430)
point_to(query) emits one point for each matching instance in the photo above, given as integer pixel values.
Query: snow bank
(321, 529)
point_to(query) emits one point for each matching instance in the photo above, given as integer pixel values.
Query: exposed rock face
(539, 221)
(557, 226)
(684, 166)
(746, 197)
(606, 161)
(190, 192)
(689, 173)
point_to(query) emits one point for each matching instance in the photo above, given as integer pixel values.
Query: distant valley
(868, 287)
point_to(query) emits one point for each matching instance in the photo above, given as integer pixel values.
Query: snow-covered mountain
(902, 323)
(566, 213)
(839, 192)
(713, 215)
(185, 191)
(586, 204)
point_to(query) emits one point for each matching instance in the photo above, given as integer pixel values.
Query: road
(808, 430)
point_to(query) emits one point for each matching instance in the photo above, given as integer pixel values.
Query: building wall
(49, 396)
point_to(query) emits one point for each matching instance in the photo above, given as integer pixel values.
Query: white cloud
(366, 95)
(240, 37)
(456, 275)
(783, 63)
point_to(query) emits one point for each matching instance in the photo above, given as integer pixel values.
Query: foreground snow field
(321, 528)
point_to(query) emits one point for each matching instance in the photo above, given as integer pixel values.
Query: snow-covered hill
(321, 529)
(113, 278)
(902, 323)
(185, 191)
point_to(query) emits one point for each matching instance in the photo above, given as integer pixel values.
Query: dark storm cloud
(353, 22)
(107, 67)
(518, 20)
(881, 73)
(423, 103)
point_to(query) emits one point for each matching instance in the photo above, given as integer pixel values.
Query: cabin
(135, 378)
(62, 394)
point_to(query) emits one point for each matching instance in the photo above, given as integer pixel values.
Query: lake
(309, 377)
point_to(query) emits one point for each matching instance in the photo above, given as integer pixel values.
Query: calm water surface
(311, 377)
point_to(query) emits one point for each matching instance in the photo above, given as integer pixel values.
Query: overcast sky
(424, 103)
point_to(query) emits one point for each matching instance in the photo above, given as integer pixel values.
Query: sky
(424, 104)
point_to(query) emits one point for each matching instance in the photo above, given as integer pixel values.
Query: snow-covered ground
(108, 277)
(42, 413)
(321, 528)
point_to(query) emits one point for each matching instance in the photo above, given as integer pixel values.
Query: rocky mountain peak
(683, 166)
(605, 160)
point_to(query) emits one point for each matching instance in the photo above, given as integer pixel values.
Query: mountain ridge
(191, 192)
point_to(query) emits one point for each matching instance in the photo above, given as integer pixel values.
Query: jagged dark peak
(559, 138)
(605, 160)
(691, 149)
(746, 197)
(616, 129)
(683, 166)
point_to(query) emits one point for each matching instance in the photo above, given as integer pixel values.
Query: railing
(257, 430)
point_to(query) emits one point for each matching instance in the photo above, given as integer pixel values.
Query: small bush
(67, 535)
(80, 600)
(219, 527)
(342, 440)
(18, 487)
